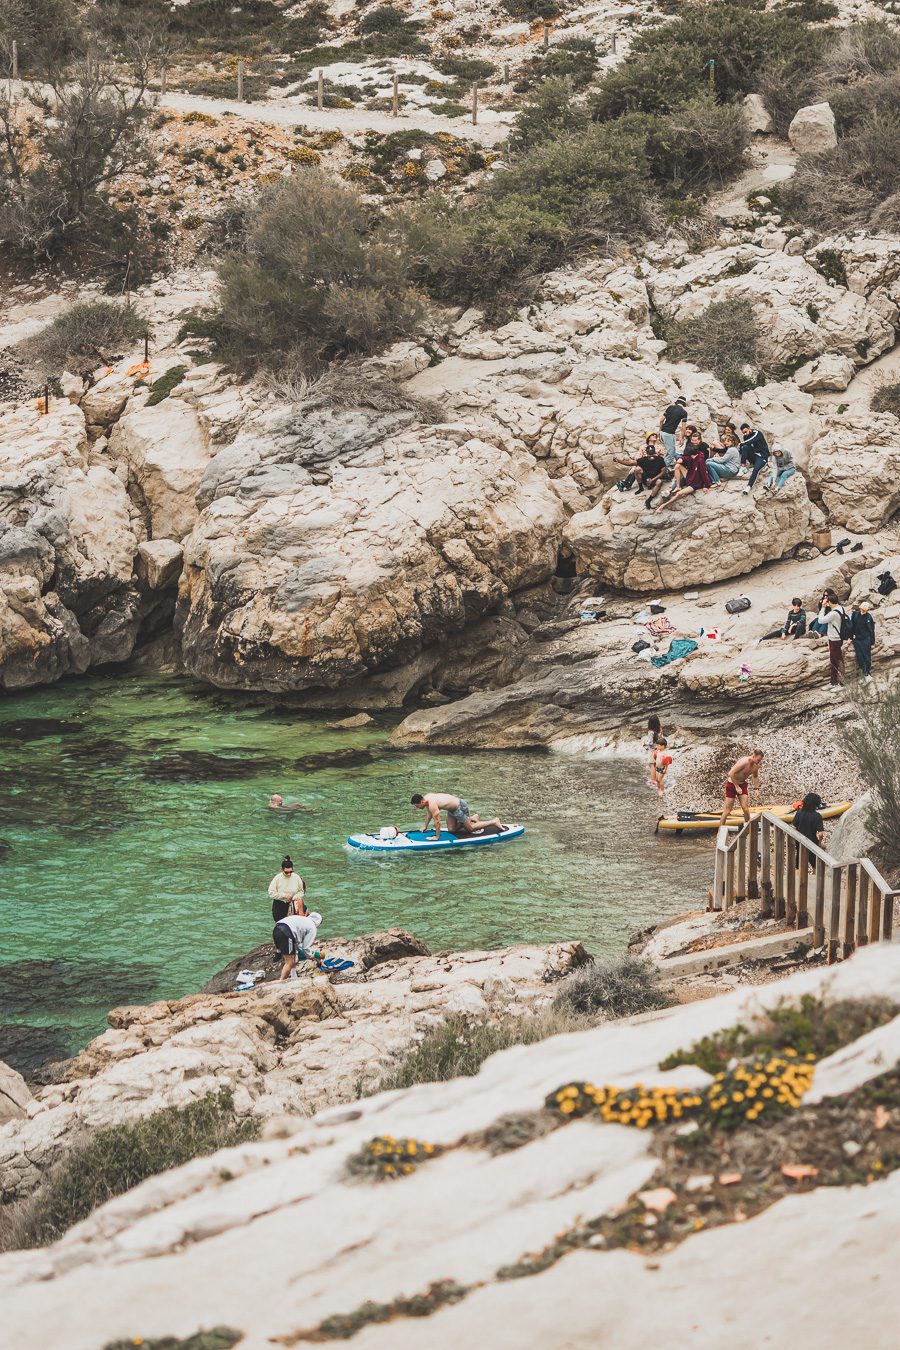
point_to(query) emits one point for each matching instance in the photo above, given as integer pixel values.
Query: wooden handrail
(849, 904)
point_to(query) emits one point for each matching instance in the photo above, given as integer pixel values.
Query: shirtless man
(460, 820)
(737, 784)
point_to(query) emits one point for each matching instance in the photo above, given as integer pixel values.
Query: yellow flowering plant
(385, 1158)
(764, 1087)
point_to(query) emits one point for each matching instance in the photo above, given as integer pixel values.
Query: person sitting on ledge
(692, 474)
(647, 467)
(783, 468)
(794, 625)
(725, 460)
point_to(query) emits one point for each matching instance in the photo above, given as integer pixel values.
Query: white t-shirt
(303, 929)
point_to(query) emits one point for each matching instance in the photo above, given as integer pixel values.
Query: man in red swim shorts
(737, 784)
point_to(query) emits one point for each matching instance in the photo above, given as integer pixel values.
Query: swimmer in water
(277, 803)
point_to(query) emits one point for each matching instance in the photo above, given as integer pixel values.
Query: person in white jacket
(284, 890)
(294, 938)
(831, 617)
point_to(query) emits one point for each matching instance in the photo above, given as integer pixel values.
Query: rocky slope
(281, 1048)
(519, 1214)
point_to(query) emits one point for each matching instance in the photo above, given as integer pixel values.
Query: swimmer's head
(276, 800)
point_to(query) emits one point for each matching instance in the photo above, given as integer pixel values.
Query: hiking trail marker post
(14, 61)
(320, 90)
(474, 105)
(240, 80)
(395, 96)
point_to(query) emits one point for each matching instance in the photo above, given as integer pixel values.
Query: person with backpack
(862, 627)
(836, 623)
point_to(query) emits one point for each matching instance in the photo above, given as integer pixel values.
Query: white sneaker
(867, 680)
(747, 489)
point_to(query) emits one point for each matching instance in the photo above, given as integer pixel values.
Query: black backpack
(846, 625)
(886, 584)
(738, 605)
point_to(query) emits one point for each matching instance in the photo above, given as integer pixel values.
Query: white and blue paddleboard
(417, 841)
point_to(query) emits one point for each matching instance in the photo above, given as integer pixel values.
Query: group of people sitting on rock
(833, 623)
(678, 458)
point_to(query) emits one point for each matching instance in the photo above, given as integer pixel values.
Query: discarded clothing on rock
(660, 627)
(678, 648)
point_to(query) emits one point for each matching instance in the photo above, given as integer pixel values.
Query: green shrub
(45, 31)
(381, 19)
(667, 65)
(317, 278)
(531, 10)
(111, 1161)
(217, 1338)
(609, 989)
(550, 112)
(470, 69)
(699, 145)
(724, 339)
(572, 58)
(886, 398)
(91, 331)
(852, 184)
(161, 389)
(458, 1047)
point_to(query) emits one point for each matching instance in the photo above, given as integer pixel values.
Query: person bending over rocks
(460, 820)
(737, 784)
(286, 891)
(294, 937)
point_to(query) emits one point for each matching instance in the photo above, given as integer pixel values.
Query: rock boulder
(855, 465)
(812, 130)
(166, 452)
(759, 119)
(14, 1095)
(723, 531)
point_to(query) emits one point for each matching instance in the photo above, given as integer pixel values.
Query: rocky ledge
(281, 1048)
(579, 1231)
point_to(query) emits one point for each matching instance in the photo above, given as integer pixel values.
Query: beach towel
(660, 627)
(678, 648)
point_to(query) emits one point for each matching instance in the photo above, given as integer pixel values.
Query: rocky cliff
(513, 1222)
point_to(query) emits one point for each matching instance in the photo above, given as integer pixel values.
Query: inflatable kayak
(417, 841)
(694, 821)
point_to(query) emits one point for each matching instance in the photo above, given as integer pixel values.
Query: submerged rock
(199, 766)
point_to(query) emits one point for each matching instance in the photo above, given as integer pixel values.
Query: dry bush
(872, 739)
(609, 989)
(88, 333)
(111, 1161)
(318, 277)
(346, 385)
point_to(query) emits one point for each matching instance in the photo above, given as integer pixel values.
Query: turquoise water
(141, 846)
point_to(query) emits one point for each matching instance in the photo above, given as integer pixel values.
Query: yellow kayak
(694, 821)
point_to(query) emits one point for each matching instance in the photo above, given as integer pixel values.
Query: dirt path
(489, 131)
(772, 162)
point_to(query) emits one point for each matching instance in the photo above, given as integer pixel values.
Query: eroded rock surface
(300, 1241)
(290, 1047)
(68, 536)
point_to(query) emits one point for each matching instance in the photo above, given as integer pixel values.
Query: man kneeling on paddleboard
(737, 784)
(461, 822)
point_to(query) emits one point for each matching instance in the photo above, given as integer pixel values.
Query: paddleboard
(417, 841)
(694, 821)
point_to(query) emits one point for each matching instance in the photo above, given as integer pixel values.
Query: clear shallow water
(136, 870)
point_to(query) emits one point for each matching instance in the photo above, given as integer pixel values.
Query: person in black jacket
(863, 626)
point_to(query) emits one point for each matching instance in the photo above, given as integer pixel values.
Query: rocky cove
(351, 570)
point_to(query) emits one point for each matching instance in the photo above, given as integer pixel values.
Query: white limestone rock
(813, 130)
(758, 116)
(621, 543)
(161, 562)
(855, 465)
(166, 451)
